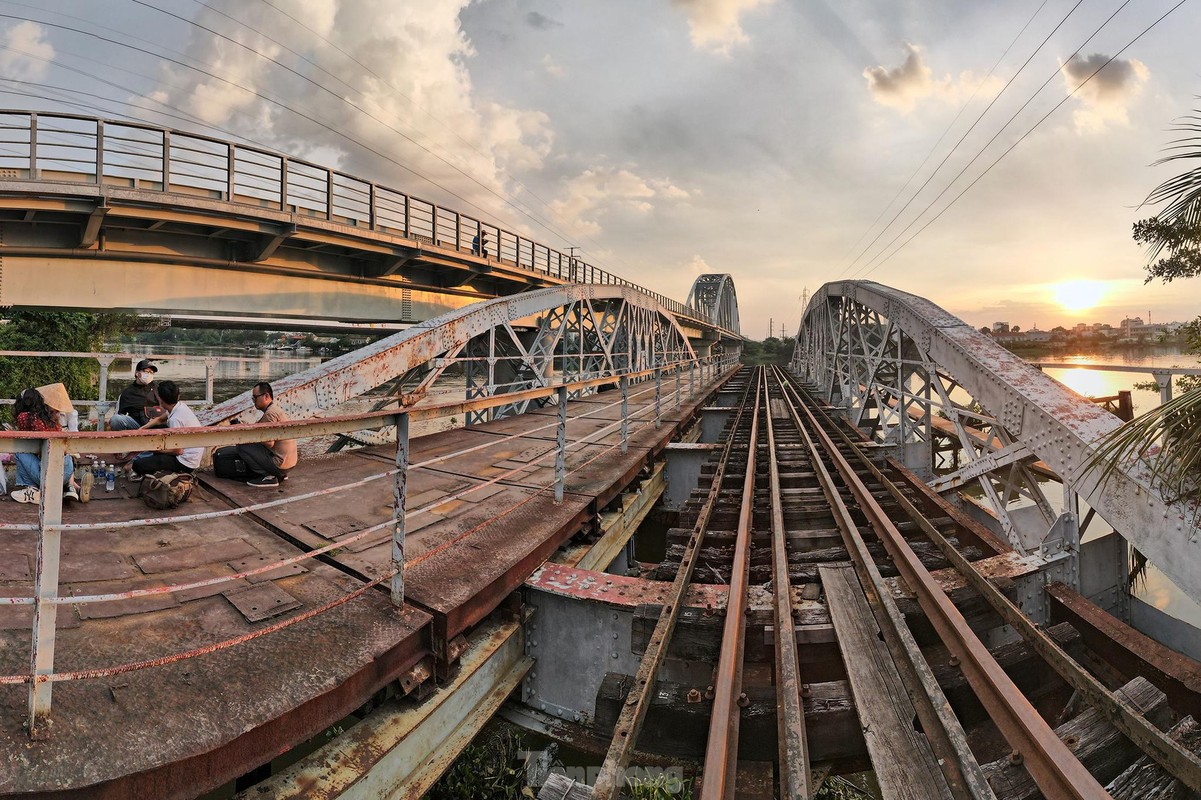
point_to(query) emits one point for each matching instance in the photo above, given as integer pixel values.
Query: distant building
(1000, 327)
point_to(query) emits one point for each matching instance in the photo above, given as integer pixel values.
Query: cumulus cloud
(407, 71)
(600, 191)
(1106, 97)
(714, 25)
(901, 87)
(552, 67)
(25, 53)
(698, 266)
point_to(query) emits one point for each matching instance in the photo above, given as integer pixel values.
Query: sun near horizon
(1078, 295)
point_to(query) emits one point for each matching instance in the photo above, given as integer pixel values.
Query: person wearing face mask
(139, 402)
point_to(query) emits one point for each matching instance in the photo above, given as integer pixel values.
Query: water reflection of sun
(1088, 382)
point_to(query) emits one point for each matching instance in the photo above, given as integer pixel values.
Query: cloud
(541, 21)
(698, 266)
(1105, 98)
(901, 87)
(26, 55)
(713, 25)
(600, 191)
(552, 67)
(405, 65)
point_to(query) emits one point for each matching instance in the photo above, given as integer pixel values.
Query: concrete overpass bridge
(149, 219)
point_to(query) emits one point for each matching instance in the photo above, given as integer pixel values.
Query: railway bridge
(624, 540)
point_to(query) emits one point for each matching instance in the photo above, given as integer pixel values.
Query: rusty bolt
(1015, 758)
(694, 695)
(708, 692)
(953, 661)
(805, 690)
(743, 700)
(1071, 741)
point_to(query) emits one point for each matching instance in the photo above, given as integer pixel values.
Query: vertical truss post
(102, 404)
(677, 385)
(45, 589)
(692, 380)
(208, 380)
(625, 413)
(399, 500)
(658, 397)
(561, 455)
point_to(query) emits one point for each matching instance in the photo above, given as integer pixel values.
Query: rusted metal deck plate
(178, 729)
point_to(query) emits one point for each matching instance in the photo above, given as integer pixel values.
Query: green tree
(1168, 439)
(55, 331)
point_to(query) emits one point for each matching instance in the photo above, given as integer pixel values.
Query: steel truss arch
(546, 337)
(908, 372)
(713, 295)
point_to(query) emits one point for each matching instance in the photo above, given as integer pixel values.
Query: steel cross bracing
(549, 336)
(907, 372)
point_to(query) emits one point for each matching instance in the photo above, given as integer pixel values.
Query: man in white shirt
(177, 415)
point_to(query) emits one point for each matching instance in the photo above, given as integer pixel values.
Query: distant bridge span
(907, 372)
(148, 219)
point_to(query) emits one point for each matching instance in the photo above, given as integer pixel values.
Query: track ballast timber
(913, 591)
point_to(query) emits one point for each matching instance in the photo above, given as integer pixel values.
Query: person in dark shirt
(139, 402)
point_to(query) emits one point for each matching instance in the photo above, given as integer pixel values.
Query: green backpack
(164, 490)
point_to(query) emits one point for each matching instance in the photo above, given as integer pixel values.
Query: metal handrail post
(45, 589)
(399, 500)
(208, 380)
(692, 380)
(561, 456)
(658, 397)
(625, 413)
(102, 402)
(678, 385)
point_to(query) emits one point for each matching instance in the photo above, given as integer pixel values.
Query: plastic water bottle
(98, 470)
(110, 478)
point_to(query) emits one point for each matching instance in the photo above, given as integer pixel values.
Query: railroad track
(957, 693)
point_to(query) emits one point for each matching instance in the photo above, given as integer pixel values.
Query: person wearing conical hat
(34, 413)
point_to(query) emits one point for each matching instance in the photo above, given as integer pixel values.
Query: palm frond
(1163, 446)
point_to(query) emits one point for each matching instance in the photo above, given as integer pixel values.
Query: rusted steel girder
(348, 376)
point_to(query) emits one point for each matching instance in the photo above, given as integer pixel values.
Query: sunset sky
(666, 138)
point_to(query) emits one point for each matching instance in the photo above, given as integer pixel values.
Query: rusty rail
(790, 714)
(1056, 771)
(721, 749)
(1162, 748)
(633, 712)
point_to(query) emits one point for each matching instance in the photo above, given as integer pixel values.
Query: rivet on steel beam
(806, 691)
(615, 654)
(953, 661)
(708, 692)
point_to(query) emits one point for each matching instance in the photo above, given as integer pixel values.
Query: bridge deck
(174, 729)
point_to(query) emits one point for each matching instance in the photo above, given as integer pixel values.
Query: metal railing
(52, 447)
(72, 148)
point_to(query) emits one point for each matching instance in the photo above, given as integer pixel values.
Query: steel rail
(1052, 765)
(947, 738)
(633, 712)
(790, 713)
(1158, 745)
(721, 749)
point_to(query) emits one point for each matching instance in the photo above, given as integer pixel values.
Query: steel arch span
(908, 373)
(547, 337)
(714, 296)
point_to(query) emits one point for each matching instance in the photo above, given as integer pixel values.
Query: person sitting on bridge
(139, 401)
(177, 415)
(33, 414)
(268, 461)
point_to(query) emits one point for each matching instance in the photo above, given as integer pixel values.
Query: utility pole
(771, 330)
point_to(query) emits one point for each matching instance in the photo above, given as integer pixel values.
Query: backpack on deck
(228, 464)
(164, 490)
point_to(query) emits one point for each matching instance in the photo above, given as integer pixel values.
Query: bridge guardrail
(73, 148)
(52, 447)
